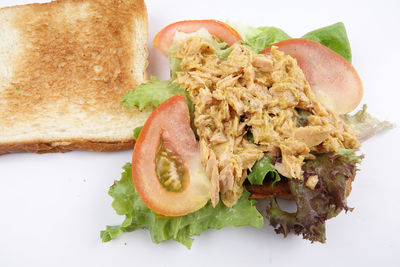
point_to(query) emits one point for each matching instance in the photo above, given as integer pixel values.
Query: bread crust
(65, 146)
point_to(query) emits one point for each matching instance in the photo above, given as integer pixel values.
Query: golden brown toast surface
(68, 64)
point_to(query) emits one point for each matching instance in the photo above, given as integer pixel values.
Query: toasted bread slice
(64, 66)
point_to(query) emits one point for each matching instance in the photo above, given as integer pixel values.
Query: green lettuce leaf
(175, 66)
(327, 199)
(265, 37)
(334, 37)
(138, 216)
(154, 94)
(263, 169)
(137, 131)
(224, 52)
(250, 137)
(151, 94)
(257, 39)
(365, 125)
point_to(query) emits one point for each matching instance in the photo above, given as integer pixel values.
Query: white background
(53, 206)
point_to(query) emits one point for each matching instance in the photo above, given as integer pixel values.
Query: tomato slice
(165, 37)
(333, 79)
(166, 167)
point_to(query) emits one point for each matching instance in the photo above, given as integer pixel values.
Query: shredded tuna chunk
(258, 95)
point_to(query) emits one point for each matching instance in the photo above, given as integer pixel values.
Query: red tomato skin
(171, 123)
